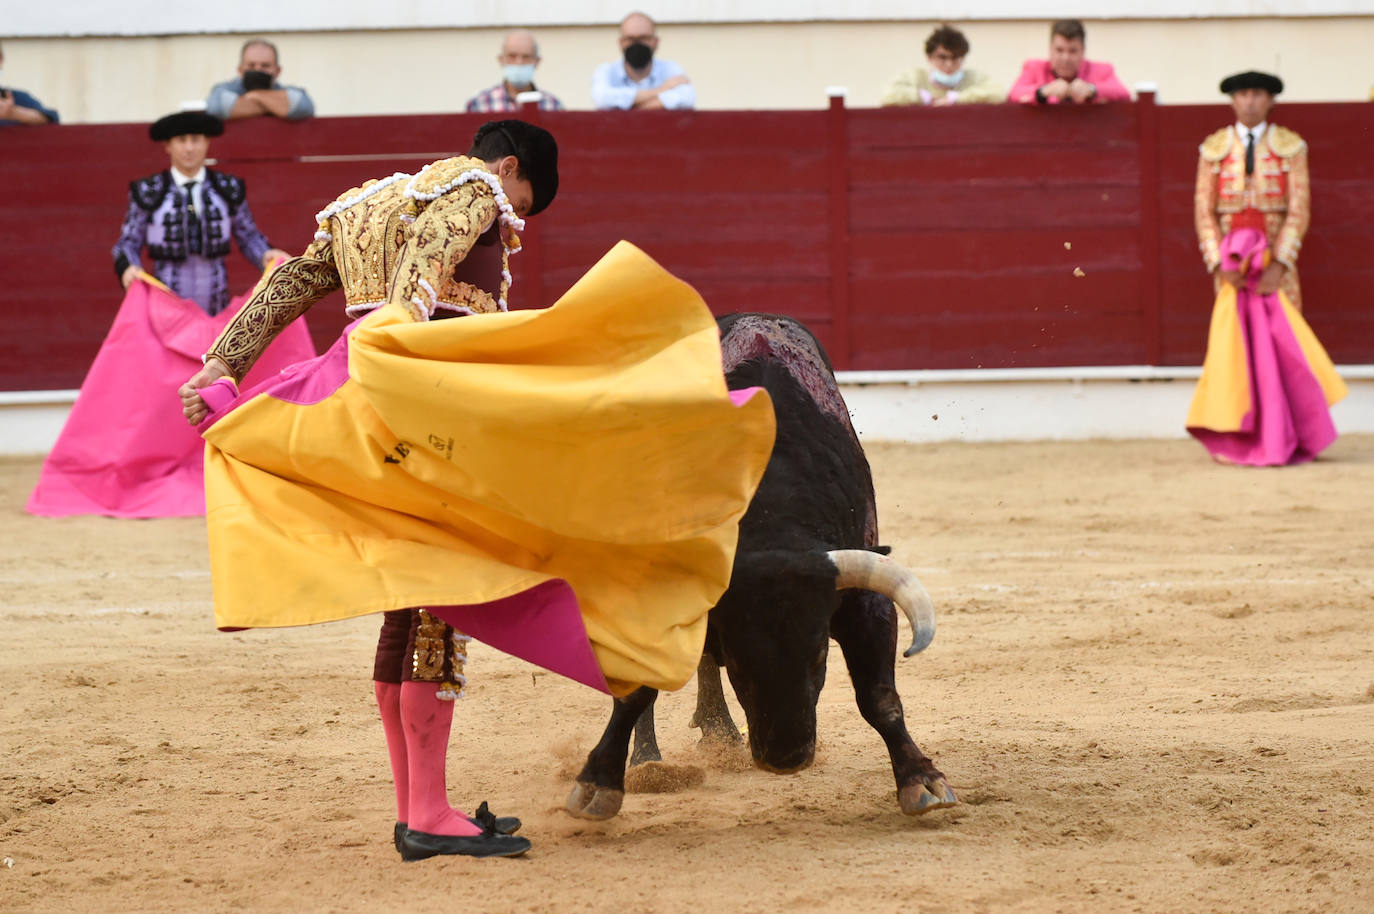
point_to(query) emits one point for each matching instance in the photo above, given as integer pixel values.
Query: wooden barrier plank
(955, 220)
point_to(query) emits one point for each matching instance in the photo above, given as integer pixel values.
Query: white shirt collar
(1258, 130)
(181, 180)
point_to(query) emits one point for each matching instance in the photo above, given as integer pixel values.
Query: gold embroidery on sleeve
(286, 294)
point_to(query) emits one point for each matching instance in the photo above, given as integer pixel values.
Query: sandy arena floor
(1153, 687)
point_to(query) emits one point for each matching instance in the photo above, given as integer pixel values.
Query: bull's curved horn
(864, 570)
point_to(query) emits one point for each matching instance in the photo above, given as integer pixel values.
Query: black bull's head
(777, 666)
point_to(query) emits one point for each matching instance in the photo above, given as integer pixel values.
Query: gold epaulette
(1215, 147)
(1285, 143)
(443, 175)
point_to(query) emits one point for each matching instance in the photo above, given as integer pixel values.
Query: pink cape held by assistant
(1267, 384)
(126, 450)
(564, 484)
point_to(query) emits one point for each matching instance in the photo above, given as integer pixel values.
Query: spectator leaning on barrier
(518, 59)
(639, 81)
(19, 107)
(256, 92)
(185, 216)
(946, 82)
(1067, 78)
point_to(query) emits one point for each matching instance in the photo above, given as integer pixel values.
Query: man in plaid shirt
(518, 58)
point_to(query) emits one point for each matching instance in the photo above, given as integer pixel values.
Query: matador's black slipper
(504, 825)
(418, 845)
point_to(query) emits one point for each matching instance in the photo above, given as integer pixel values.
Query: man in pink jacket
(1066, 78)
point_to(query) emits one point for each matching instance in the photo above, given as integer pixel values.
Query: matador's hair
(535, 149)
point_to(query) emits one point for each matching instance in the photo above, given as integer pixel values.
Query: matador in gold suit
(436, 242)
(1253, 174)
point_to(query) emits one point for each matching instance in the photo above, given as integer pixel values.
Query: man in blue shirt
(19, 107)
(639, 81)
(256, 92)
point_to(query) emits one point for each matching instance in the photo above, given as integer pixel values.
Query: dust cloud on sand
(1151, 687)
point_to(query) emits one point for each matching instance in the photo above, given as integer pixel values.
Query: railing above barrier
(989, 236)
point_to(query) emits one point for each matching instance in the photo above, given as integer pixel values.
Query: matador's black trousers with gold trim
(415, 646)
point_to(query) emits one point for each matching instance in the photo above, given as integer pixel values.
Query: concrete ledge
(998, 404)
(1028, 404)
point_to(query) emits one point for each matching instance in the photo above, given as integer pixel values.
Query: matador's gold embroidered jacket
(398, 239)
(1278, 190)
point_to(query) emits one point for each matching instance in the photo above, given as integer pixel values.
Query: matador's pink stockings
(389, 704)
(426, 720)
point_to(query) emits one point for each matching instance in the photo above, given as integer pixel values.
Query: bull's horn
(864, 570)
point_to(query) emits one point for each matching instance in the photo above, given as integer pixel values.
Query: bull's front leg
(866, 628)
(646, 740)
(712, 715)
(600, 787)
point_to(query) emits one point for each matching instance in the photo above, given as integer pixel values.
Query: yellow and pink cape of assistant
(1267, 383)
(566, 484)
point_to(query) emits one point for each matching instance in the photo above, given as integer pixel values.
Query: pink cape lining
(541, 625)
(1289, 420)
(126, 450)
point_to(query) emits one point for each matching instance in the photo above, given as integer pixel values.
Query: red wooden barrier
(907, 238)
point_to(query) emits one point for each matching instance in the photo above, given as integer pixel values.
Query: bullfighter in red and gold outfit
(1267, 384)
(1253, 174)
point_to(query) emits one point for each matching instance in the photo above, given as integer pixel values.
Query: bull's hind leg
(712, 715)
(866, 628)
(600, 788)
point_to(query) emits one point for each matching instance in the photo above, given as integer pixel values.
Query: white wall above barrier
(72, 18)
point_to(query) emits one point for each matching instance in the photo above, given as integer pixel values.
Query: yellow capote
(1221, 399)
(469, 459)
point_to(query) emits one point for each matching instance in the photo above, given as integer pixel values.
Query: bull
(808, 568)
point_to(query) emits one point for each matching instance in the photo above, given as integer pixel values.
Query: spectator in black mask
(639, 81)
(256, 92)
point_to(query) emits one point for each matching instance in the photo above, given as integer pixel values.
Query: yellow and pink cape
(505, 470)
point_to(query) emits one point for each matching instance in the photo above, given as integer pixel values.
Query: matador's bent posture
(438, 242)
(565, 484)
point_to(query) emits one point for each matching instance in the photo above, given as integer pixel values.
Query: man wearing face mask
(518, 58)
(946, 82)
(1066, 78)
(255, 92)
(19, 107)
(639, 82)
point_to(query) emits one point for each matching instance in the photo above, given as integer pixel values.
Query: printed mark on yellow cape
(402, 449)
(398, 453)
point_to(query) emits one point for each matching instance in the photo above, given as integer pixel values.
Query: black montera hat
(184, 122)
(534, 146)
(1252, 79)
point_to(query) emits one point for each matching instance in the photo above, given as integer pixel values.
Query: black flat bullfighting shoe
(418, 845)
(504, 825)
(496, 840)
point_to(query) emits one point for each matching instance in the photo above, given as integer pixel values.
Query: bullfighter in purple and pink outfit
(185, 216)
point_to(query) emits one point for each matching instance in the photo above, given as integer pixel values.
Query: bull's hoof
(588, 801)
(720, 735)
(917, 799)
